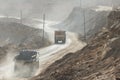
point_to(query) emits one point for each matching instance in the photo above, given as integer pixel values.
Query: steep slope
(75, 21)
(99, 60)
(16, 33)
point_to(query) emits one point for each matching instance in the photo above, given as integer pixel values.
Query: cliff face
(99, 60)
(75, 21)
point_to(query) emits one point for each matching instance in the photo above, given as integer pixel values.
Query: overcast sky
(54, 9)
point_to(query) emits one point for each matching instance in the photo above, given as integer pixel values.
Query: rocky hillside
(19, 34)
(26, 21)
(14, 35)
(75, 21)
(99, 60)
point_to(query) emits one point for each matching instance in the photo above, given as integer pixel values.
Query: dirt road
(47, 55)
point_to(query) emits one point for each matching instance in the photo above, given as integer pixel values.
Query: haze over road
(48, 54)
(54, 52)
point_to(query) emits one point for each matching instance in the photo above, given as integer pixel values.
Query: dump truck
(26, 63)
(60, 37)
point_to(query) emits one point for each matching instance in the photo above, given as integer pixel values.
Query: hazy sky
(54, 9)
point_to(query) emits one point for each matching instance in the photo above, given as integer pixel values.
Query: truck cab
(26, 63)
(60, 37)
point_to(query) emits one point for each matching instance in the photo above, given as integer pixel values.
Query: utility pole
(84, 25)
(21, 16)
(43, 28)
(112, 5)
(80, 3)
(7, 16)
